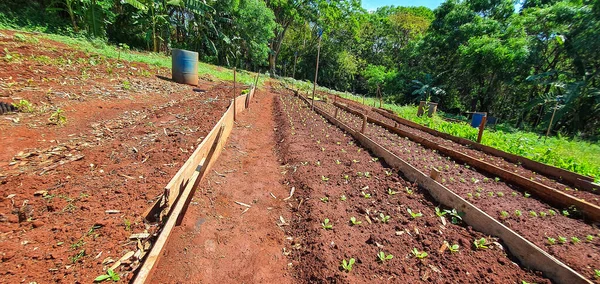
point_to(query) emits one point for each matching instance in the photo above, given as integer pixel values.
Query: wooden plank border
(550, 195)
(526, 252)
(172, 205)
(574, 179)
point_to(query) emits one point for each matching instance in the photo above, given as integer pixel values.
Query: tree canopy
(519, 61)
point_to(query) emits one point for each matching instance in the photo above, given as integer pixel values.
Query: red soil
(220, 241)
(132, 131)
(319, 157)
(482, 190)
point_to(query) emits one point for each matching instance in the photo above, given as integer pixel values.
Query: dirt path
(217, 241)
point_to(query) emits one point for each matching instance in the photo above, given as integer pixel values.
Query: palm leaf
(136, 4)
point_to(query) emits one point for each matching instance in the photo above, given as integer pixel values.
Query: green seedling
(500, 194)
(551, 241)
(562, 240)
(469, 195)
(110, 275)
(575, 240)
(479, 189)
(486, 179)
(491, 194)
(366, 195)
(388, 173)
(526, 194)
(391, 191)
(324, 178)
(337, 162)
(375, 159)
(453, 248)
(419, 254)
(346, 177)
(477, 195)
(347, 265)
(533, 214)
(355, 161)
(78, 256)
(518, 213)
(414, 215)
(504, 215)
(326, 224)
(456, 216)
(368, 174)
(24, 106)
(496, 179)
(551, 212)
(439, 212)
(383, 257)
(409, 191)
(325, 199)
(384, 218)
(126, 85)
(343, 198)
(514, 194)
(565, 213)
(589, 238)
(354, 221)
(542, 214)
(58, 117)
(127, 224)
(480, 244)
(474, 180)
(597, 273)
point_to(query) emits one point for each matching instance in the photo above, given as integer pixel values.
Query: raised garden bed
(335, 179)
(535, 221)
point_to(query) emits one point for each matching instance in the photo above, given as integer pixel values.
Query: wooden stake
(551, 120)
(421, 110)
(336, 112)
(234, 104)
(316, 72)
(364, 125)
(481, 128)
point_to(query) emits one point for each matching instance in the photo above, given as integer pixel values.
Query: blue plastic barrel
(184, 66)
(476, 120)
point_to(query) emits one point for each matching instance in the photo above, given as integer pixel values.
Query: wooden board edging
(550, 195)
(181, 187)
(574, 179)
(526, 252)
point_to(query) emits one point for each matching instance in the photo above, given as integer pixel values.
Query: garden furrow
(518, 169)
(575, 242)
(335, 179)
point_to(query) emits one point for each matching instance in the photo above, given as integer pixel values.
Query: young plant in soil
(419, 254)
(551, 241)
(439, 212)
(575, 240)
(384, 218)
(366, 195)
(413, 214)
(354, 221)
(324, 199)
(347, 265)
(562, 240)
(480, 244)
(383, 257)
(343, 198)
(452, 248)
(326, 225)
(110, 275)
(391, 191)
(589, 238)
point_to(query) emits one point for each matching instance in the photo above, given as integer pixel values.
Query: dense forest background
(519, 61)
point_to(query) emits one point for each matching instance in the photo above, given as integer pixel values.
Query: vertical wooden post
(432, 109)
(234, 104)
(380, 97)
(336, 112)
(316, 72)
(481, 128)
(364, 99)
(551, 120)
(364, 125)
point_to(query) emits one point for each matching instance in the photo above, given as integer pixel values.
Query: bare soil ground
(72, 194)
(221, 241)
(335, 179)
(530, 217)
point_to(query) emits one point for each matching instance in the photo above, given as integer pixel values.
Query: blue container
(184, 66)
(476, 120)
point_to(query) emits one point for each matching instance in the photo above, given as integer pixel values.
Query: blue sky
(374, 4)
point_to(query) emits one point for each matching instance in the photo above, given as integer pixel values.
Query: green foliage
(347, 265)
(383, 257)
(24, 106)
(326, 224)
(354, 221)
(418, 254)
(58, 117)
(110, 275)
(551, 241)
(414, 215)
(480, 243)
